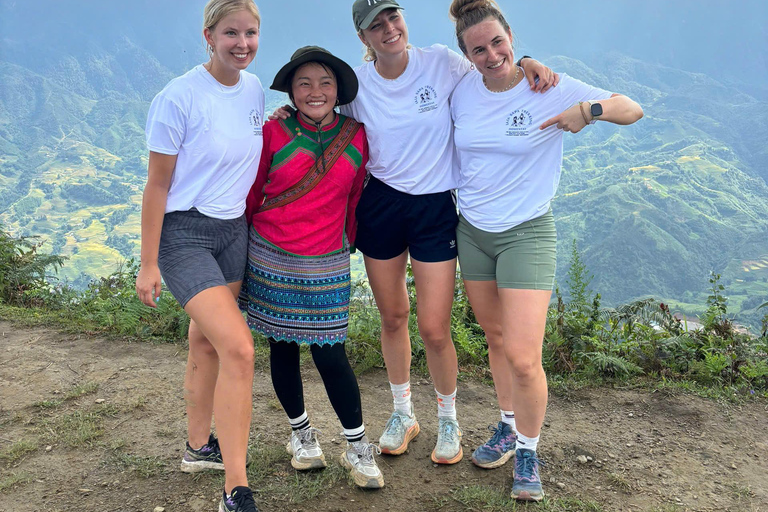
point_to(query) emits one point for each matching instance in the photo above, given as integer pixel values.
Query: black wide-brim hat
(346, 80)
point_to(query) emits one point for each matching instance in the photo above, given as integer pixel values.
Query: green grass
(83, 389)
(144, 467)
(13, 479)
(17, 451)
(79, 428)
(47, 404)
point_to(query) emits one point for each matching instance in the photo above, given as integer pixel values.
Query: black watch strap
(520, 60)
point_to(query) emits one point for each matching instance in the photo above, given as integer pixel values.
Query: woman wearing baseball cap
(301, 211)
(408, 208)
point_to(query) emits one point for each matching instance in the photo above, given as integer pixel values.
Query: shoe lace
(526, 464)
(447, 429)
(308, 436)
(365, 452)
(498, 433)
(244, 500)
(394, 424)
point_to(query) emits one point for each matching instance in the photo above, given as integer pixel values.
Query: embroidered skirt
(304, 299)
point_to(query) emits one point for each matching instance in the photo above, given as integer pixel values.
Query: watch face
(596, 109)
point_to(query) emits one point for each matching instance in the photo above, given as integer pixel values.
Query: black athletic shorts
(390, 221)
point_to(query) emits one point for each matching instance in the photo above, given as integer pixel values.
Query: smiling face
(235, 40)
(387, 33)
(314, 91)
(489, 48)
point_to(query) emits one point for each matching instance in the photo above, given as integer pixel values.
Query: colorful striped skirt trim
(304, 299)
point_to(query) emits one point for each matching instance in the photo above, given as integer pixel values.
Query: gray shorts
(199, 252)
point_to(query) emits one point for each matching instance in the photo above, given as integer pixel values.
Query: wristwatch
(596, 110)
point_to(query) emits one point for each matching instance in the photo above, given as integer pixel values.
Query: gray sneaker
(305, 449)
(398, 432)
(358, 459)
(207, 456)
(448, 448)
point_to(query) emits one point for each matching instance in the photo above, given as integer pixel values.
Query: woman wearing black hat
(301, 211)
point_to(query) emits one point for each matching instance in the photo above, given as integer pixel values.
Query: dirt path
(94, 425)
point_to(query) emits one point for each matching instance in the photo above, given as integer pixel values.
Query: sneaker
(398, 432)
(207, 457)
(498, 449)
(305, 449)
(358, 459)
(526, 485)
(241, 500)
(448, 448)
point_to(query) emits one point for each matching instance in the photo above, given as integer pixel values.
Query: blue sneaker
(241, 500)
(498, 449)
(527, 483)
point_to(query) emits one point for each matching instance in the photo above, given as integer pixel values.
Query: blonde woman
(408, 209)
(510, 148)
(204, 133)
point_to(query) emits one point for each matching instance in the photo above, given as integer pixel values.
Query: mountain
(654, 206)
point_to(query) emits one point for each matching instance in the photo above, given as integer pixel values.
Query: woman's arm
(152, 214)
(357, 189)
(535, 69)
(618, 109)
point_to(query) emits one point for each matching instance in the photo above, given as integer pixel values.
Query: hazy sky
(718, 37)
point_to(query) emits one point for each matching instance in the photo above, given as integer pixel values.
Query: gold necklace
(485, 83)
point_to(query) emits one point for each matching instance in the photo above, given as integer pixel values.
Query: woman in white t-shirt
(510, 153)
(408, 208)
(204, 133)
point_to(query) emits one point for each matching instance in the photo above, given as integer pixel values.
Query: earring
(337, 102)
(472, 66)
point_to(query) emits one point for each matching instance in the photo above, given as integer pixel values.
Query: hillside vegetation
(655, 207)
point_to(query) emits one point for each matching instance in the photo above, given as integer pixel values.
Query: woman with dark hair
(301, 211)
(510, 154)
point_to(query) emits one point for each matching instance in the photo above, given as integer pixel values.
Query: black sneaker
(207, 457)
(241, 500)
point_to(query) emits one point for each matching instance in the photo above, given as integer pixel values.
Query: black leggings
(339, 379)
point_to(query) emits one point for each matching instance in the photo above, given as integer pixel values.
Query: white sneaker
(398, 432)
(305, 449)
(358, 459)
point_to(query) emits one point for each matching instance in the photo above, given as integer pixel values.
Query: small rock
(48, 448)
(630, 444)
(561, 485)
(427, 480)
(159, 509)
(335, 441)
(552, 479)
(611, 456)
(100, 400)
(85, 491)
(582, 459)
(733, 466)
(631, 415)
(589, 459)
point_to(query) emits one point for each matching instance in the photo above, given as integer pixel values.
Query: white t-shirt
(408, 120)
(216, 131)
(509, 169)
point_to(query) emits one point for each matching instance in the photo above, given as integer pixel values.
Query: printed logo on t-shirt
(518, 123)
(254, 118)
(426, 99)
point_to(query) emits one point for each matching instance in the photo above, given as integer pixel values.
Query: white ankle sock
(354, 434)
(300, 423)
(508, 417)
(529, 443)
(401, 394)
(446, 405)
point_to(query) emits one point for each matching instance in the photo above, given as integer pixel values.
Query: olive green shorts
(523, 257)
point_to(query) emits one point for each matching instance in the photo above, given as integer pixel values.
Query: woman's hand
(535, 69)
(572, 120)
(283, 112)
(148, 285)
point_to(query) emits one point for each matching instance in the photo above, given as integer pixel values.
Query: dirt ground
(89, 424)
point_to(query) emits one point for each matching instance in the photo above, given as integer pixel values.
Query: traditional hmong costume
(301, 212)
